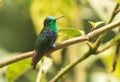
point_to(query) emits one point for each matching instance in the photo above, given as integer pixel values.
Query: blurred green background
(21, 22)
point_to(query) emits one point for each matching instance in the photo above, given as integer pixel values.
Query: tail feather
(35, 59)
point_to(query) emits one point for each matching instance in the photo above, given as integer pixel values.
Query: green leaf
(17, 69)
(96, 24)
(92, 24)
(70, 32)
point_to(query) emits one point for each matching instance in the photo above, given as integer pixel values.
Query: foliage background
(21, 21)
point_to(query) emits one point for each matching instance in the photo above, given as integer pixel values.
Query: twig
(109, 44)
(115, 59)
(112, 16)
(70, 66)
(39, 75)
(113, 13)
(16, 58)
(117, 11)
(63, 44)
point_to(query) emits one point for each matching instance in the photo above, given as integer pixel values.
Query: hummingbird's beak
(59, 17)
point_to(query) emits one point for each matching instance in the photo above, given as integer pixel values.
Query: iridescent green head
(50, 21)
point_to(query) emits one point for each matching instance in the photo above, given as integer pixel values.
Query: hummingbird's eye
(46, 21)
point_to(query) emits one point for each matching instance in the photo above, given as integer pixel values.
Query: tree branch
(109, 44)
(114, 12)
(81, 58)
(63, 44)
(70, 66)
(16, 58)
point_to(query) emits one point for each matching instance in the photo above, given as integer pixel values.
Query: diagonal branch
(63, 44)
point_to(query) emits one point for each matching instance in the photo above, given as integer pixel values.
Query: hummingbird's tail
(35, 59)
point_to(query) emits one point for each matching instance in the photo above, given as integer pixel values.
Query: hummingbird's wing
(44, 42)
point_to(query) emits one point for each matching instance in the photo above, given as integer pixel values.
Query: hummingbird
(45, 40)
